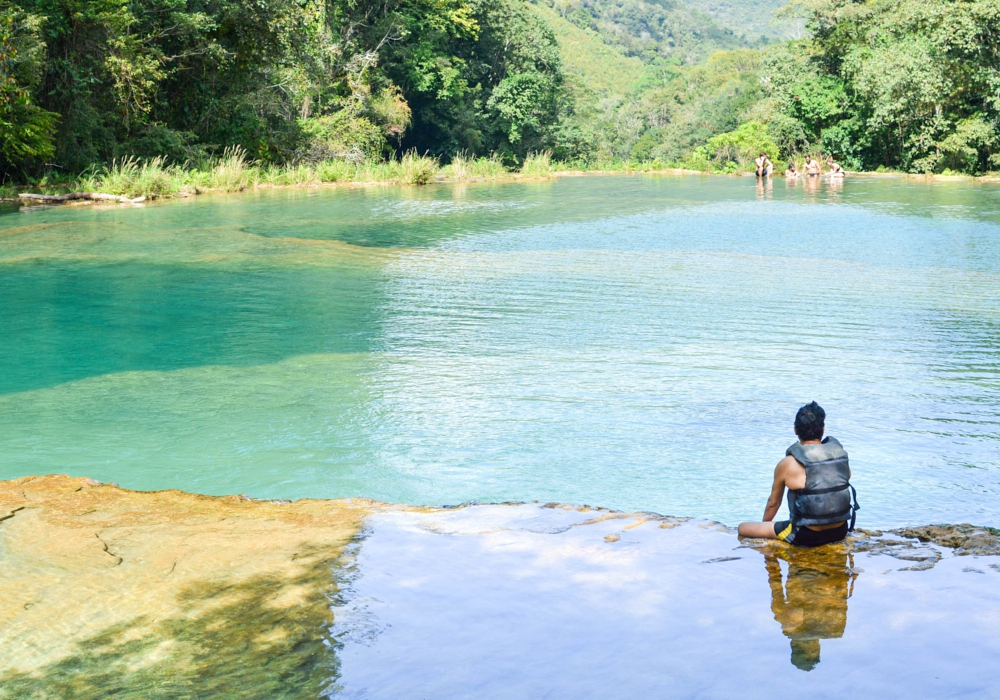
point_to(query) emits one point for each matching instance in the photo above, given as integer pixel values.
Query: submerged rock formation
(109, 592)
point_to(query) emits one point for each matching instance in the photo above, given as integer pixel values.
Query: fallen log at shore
(97, 196)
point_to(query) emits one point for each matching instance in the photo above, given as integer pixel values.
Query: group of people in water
(812, 168)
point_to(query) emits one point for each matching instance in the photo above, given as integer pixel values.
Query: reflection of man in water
(765, 187)
(811, 603)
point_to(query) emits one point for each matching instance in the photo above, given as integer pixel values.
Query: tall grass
(339, 170)
(132, 177)
(233, 171)
(537, 164)
(458, 168)
(411, 169)
(465, 167)
(418, 170)
(489, 168)
(377, 171)
(279, 175)
(615, 165)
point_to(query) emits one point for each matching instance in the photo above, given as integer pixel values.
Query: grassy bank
(234, 172)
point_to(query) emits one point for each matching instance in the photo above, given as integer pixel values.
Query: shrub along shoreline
(133, 180)
(154, 178)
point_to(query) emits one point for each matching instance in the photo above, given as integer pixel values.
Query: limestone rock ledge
(110, 592)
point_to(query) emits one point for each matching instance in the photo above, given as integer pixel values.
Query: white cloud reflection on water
(527, 601)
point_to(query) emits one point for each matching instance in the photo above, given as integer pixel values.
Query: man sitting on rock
(817, 474)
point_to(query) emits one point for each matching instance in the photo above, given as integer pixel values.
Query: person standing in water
(792, 171)
(834, 167)
(817, 474)
(764, 165)
(813, 168)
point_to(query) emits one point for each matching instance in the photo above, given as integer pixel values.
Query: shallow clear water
(640, 343)
(528, 601)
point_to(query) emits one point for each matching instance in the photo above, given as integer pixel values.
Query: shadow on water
(809, 596)
(228, 639)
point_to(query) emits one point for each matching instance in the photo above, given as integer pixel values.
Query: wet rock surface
(924, 546)
(106, 592)
(963, 539)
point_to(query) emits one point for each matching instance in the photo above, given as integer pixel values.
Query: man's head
(809, 159)
(809, 422)
(763, 155)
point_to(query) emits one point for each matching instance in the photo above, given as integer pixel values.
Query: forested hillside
(751, 18)
(907, 84)
(655, 31)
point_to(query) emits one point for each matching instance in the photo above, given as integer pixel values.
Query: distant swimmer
(764, 165)
(812, 167)
(817, 474)
(792, 171)
(835, 169)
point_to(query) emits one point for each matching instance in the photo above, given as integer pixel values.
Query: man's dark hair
(809, 422)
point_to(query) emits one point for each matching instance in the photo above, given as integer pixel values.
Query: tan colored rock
(105, 591)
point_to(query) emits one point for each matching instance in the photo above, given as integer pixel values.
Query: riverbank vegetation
(161, 97)
(907, 85)
(903, 84)
(155, 177)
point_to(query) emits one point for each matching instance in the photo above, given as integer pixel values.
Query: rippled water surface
(636, 342)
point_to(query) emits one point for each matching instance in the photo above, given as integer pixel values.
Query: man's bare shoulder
(790, 472)
(788, 465)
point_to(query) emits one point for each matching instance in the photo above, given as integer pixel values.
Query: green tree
(922, 77)
(26, 130)
(741, 146)
(484, 76)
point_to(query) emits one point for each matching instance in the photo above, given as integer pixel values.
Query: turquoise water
(633, 342)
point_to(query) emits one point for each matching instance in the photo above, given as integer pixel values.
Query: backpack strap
(854, 509)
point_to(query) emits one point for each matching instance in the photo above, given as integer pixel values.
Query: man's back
(817, 474)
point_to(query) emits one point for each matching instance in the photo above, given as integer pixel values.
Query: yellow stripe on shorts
(785, 533)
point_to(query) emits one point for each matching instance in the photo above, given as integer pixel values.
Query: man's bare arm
(777, 492)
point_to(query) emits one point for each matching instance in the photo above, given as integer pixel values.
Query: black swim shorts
(802, 536)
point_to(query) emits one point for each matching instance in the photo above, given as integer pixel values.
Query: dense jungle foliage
(902, 84)
(88, 81)
(905, 84)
